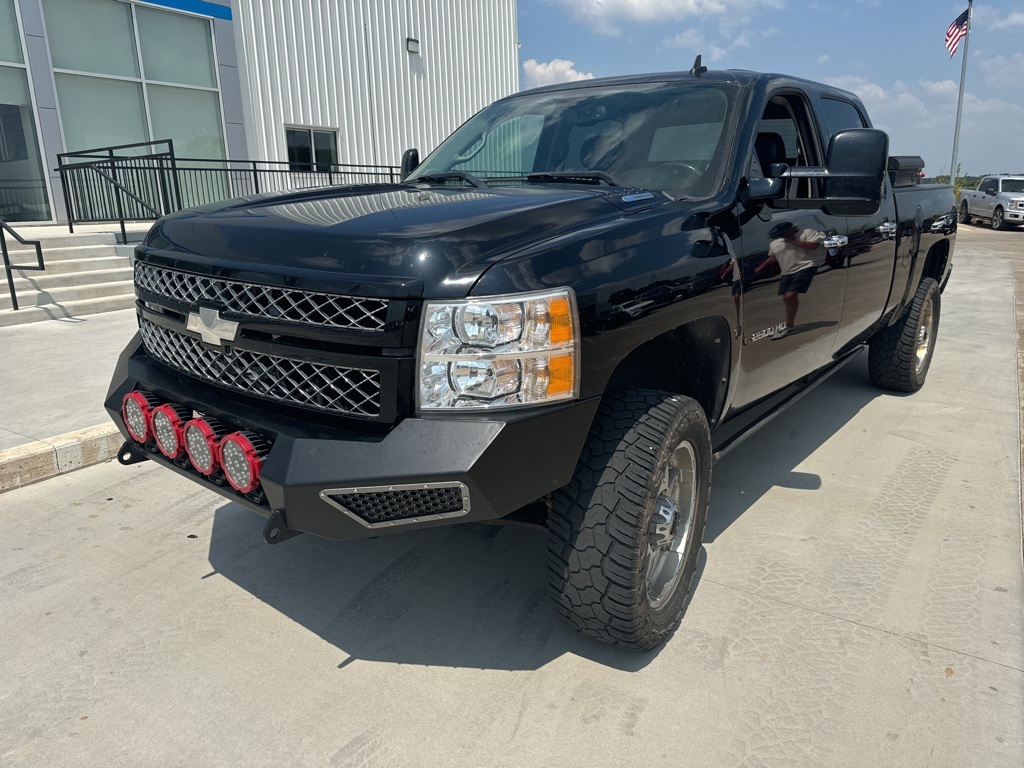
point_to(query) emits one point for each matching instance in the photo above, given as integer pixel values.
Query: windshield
(1013, 185)
(663, 136)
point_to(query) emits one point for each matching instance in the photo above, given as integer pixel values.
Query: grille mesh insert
(377, 507)
(265, 301)
(353, 391)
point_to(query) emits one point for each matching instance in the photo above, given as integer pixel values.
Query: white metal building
(304, 81)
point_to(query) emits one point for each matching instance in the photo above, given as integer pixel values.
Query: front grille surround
(385, 506)
(265, 302)
(336, 389)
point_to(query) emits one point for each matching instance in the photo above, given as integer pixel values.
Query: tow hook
(277, 530)
(128, 455)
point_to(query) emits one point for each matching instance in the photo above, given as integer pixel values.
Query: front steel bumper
(505, 460)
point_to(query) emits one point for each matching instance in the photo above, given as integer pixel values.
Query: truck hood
(397, 239)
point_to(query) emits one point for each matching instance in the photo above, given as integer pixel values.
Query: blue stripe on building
(196, 6)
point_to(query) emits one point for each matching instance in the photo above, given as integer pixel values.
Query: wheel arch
(692, 359)
(936, 262)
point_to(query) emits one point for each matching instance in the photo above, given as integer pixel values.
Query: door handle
(887, 229)
(835, 241)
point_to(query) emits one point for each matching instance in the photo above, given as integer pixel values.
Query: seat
(769, 148)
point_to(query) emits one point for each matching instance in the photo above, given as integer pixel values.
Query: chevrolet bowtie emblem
(211, 326)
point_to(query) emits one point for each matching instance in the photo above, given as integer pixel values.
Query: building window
(22, 181)
(112, 91)
(312, 149)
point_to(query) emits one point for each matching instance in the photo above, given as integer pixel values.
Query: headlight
(499, 351)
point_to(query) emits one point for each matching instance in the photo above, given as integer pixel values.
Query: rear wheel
(965, 213)
(625, 534)
(900, 354)
(997, 219)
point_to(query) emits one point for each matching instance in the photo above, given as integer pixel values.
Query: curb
(43, 459)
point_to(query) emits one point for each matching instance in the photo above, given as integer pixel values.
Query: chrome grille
(352, 391)
(289, 305)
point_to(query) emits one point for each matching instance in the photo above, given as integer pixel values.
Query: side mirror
(856, 166)
(410, 162)
(853, 175)
(764, 189)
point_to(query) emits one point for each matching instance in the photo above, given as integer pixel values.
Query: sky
(892, 54)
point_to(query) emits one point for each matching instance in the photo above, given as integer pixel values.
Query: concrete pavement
(53, 380)
(860, 604)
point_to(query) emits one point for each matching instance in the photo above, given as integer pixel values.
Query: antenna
(697, 70)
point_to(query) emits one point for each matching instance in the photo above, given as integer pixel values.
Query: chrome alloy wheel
(925, 332)
(671, 527)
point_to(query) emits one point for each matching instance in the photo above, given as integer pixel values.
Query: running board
(786, 401)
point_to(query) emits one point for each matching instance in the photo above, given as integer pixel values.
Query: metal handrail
(145, 186)
(6, 228)
(120, 208)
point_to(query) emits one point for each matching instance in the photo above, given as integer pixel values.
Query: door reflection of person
(794, 251)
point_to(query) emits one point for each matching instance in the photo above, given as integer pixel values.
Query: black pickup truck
(582, 298)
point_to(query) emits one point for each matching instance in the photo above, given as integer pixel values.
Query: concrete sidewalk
(53, 380)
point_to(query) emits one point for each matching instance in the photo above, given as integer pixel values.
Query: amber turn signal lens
(559, 310)
(560, 375)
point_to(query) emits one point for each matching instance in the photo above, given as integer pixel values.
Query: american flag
(957, 30)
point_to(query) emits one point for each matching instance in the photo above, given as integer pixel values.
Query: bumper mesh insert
(351, 391)
(393, 505)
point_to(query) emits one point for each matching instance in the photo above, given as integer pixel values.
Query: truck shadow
(475, 595)
(769, 458)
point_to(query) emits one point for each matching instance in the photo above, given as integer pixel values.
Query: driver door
(792, 261)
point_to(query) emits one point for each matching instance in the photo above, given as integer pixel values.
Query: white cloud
(824, 58)
(992, 19)
(692, 40)
(939, 87)
(540, 73)
(1004, 72)
(604, 16)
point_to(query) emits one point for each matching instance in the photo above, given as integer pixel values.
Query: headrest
(770, 148)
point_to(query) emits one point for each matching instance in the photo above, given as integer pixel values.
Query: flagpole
(960, 100)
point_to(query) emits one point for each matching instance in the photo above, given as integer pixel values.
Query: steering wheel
(679, 168)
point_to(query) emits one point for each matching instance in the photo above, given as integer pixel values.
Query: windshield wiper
(469, 178)
(575, 176)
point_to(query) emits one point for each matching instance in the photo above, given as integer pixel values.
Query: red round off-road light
(137, 410)
(168, 422)
(241, 457)
(202, 443)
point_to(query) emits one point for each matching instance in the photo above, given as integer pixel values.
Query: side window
(506, 149)
(988, 186)
(840, 115)
(785, 134)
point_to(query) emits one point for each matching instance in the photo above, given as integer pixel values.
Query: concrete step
(73, 309)
(77, 265)
(67, 294)
(60, 241)
(47, 281)
(51, 255)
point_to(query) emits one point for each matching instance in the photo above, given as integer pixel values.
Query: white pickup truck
(1000, 199)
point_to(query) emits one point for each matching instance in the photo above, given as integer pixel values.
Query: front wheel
(965, 213)
(900, 354)
(625, 534)
(997, 219)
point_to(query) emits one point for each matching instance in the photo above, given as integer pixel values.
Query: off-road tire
(965, 213)
(599, 523)
(998, 220)
(893, 360)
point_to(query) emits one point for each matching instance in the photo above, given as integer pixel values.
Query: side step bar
(787, 398)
